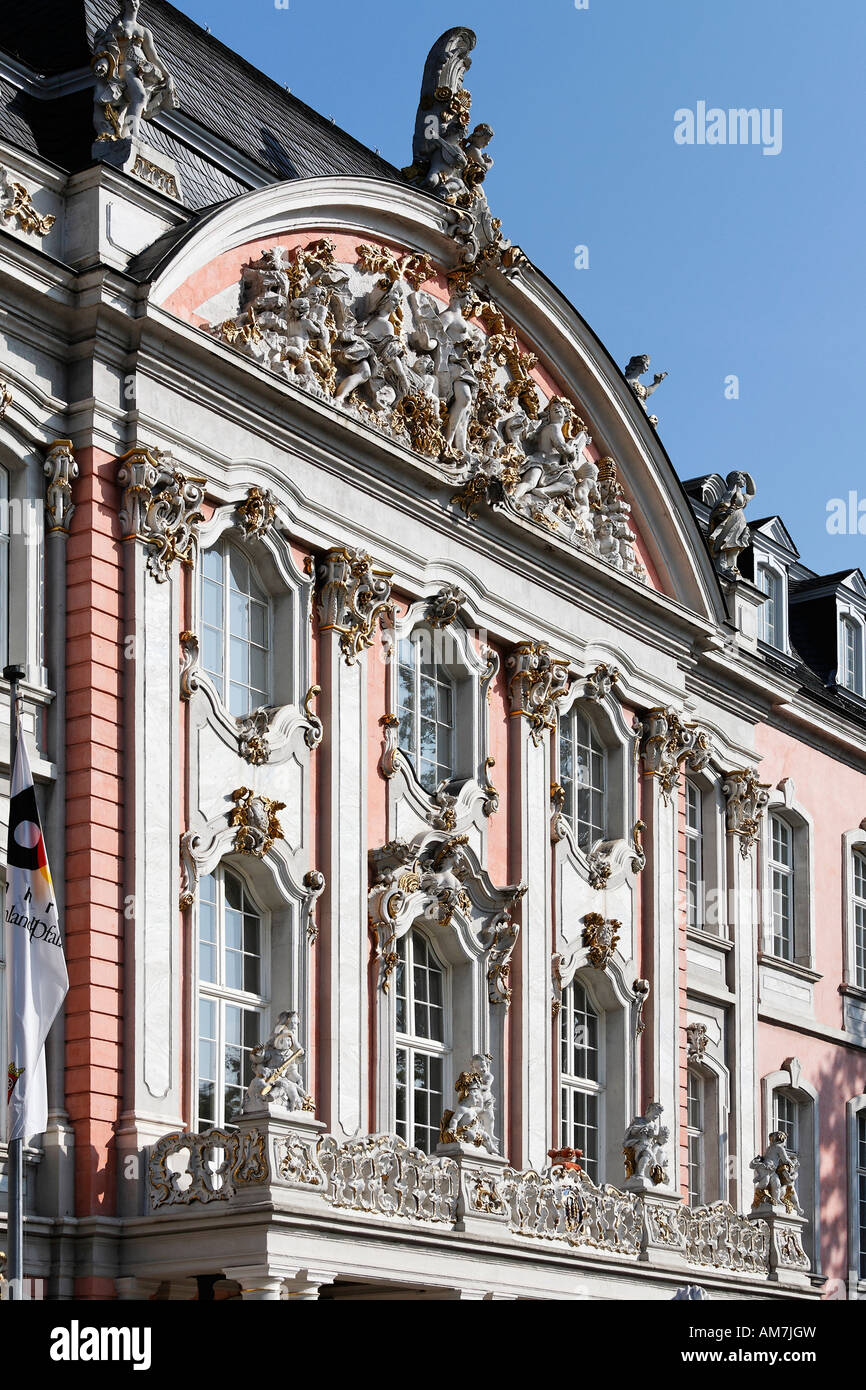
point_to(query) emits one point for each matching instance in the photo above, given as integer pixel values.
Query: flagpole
(15, 674)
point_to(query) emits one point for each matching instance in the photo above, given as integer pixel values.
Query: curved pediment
(353, 291)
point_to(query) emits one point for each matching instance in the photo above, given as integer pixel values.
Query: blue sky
(718, 260)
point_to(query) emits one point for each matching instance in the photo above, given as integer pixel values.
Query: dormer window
(770, 619)
(852, 656)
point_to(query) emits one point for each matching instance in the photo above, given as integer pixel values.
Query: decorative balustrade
(567, 1206)
(382, 1176)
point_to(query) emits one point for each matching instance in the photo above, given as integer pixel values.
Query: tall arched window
(861, 1193)
(852, 656)
(4, 566)
(426, 699)
(859, 905)
(694, 837)
(232, 994)
(782, 887)
(583, 777)
(695, 1132)
(581, 1077)
(236, 629)
(770, 616)
(423, 1041)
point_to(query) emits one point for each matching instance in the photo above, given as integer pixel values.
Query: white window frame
(567, 724)
(764, 566)
(697, 1134)
(851, 679)
(5, 587)
(222, 994)
(856, 1117)
(421, 640)
(783, 805)
(412, 1043)
(695, 872)
(783, 898)
(570, 1084)
(224, 548)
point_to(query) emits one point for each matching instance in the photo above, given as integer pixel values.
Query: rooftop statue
(638, 367)
(728, 535)
(131, 83)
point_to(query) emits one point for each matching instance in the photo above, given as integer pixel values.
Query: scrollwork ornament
(189, 664)
(314, 882)
(600, 682)
(601, 938)
(61, 470)
(253, 730)
(669, 743)
(161, 508)
(16, 205)
(256, 513)
(391, 755)
(315, 730)
(746, 800)
(444, 607)
(490, 804)
(353, 598)
(5, 397)
(538, 682)
(256, 821)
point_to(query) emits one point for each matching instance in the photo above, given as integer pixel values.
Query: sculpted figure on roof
(132, 84)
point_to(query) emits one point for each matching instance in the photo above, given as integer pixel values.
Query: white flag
(37, 968)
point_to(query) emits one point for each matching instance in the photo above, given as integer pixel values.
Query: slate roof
(218, 90)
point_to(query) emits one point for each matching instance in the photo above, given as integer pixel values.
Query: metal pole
(15, 674)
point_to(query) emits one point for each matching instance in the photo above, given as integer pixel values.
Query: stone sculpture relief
(449, 381)
(16, 205)
(132, 84)
(61, 470)
(160, 508)
(746, 799)
(277, 1077)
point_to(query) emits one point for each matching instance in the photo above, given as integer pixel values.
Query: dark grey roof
(218, 90)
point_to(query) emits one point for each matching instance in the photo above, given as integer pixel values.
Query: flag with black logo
(37, 967)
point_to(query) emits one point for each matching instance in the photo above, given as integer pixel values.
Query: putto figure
(776, 1174)
(277, 1077)
(472, 1121)
(644, 1147)
(131, 83)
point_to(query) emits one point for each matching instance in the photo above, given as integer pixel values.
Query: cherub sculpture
(472, 1121)
(643, 1146)
(277, 1078)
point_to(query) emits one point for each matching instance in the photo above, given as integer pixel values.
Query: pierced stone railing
(185, 1168)
(382, 1176)
(718, 1237)
(379, 1174)
(571, 1208)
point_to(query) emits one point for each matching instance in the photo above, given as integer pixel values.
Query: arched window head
(581, 1062)
(852, 656)
(426, 703)
(231, 996)
(583, 775)
(770, 617)
(236, 629)
(423, 1041)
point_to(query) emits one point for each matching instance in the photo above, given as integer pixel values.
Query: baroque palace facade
(436, 788)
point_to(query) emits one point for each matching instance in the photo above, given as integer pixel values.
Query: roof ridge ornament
(636, 368)
(451, 162)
